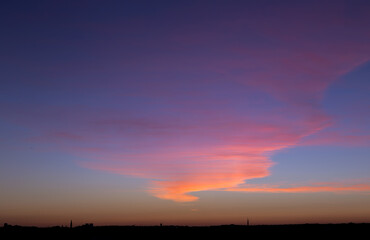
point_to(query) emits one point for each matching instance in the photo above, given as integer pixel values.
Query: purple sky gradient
(175, 101)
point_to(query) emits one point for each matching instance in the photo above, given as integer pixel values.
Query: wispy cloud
(204, 106)
(342, 186)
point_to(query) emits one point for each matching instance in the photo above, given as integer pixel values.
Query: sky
(184, 112)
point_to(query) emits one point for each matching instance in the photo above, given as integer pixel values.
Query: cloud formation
(349, 186)
(197, 105)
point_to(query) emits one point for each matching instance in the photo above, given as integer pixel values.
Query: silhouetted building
(87, 225)
(70, 224)
(247, 221)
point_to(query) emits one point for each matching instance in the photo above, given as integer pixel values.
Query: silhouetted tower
(70, 224)
(247, 221)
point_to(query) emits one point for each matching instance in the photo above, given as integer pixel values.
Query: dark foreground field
(352, 231)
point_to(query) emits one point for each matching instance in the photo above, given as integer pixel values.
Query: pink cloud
(175, 169)
(174, 176)
(354, 186)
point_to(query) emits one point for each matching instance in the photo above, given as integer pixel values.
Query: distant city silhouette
(89, 231)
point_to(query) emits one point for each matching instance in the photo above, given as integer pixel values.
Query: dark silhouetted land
(88, 231)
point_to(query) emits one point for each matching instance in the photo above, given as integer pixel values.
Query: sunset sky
(184, 112)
